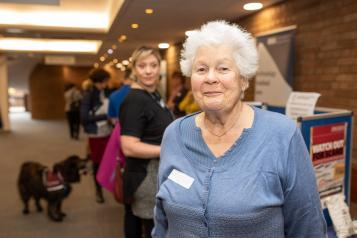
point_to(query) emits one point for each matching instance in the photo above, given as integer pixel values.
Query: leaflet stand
(328, 136)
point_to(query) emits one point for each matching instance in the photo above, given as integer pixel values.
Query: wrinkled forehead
(214, 52)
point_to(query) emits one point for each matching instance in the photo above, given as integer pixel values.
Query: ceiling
(108, 19)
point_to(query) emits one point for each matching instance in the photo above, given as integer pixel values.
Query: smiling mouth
(212, 94)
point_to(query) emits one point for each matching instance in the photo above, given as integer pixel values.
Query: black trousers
(136, 227)
(73, 123)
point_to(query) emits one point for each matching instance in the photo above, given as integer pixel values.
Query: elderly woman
(143, 118)
(232, 170)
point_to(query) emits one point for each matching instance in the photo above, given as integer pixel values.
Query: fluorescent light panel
(87, 20)
(49, 45)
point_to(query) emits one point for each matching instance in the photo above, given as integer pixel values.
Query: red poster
(327, 152)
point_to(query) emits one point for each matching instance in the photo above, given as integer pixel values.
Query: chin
(212, 107)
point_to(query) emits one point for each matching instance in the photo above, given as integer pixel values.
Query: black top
(89, 105)
(145, 116)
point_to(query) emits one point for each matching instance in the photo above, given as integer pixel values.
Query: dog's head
(70, 168)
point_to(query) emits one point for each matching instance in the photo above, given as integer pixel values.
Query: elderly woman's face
(215, 80)
(147, 70)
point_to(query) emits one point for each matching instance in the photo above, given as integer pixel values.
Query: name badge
(181, 179)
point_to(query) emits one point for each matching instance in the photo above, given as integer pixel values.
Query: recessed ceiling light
(134, 25)
(125, 62)
(188, 33)
(253, 6)
(122, 38)
(149, 11)
(96, 65)
(115, 61)
(164, 45)
(110, 51)
(102, 58)
(114, 47)
(118, 65)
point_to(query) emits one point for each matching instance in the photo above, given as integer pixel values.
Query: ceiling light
(252, 6)
(11, 91)
(188, 33)
(134, 25)
(149, 11)
(102, 59)
(125, 62)
(55, 19)
(114, 47)
(118, 65)
(15, 30)
(122, 38)
(115, 61)
(49, 45)
(96, 65)
(110, 51)
(164, 45)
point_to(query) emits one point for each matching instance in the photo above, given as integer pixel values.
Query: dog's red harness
(52, 181)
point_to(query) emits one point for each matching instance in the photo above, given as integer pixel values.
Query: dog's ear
(57, 167)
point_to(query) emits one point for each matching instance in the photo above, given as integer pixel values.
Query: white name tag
(181, 179)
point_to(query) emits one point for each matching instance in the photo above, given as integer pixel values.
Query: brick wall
(326, 47)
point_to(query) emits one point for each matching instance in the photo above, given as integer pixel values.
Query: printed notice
(327, 152)
(301, 104)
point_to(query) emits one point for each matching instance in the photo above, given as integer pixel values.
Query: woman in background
(143, 118)
(179, 90)
(95, 121)
(72, 98)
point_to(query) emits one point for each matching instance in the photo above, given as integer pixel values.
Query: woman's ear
(244, 84)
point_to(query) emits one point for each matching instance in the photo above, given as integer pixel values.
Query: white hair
(217, 33)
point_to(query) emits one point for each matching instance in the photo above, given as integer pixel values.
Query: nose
(211, 76)
(148, 70)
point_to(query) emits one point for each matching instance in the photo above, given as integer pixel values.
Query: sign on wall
(327, 153)
(274, 79)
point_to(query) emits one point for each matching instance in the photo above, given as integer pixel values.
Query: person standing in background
(72, 98)
(179, 90)
(144, 118)
(117, 97)
(95, 121)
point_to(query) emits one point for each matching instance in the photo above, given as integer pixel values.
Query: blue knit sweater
(263, 186)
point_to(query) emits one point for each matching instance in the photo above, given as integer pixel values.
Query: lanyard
(157, 98)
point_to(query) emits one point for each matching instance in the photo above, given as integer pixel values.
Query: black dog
(36, 181)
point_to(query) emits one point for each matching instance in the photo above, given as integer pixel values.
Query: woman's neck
(139, 85)
(222, 118)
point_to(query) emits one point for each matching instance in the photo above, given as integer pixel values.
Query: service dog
(38, 182)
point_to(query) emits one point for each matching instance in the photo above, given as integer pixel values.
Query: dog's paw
(25, 211)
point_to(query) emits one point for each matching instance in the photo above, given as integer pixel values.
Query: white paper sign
(301, 104)
(340, 216)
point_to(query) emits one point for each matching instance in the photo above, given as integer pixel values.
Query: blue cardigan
(263, 186)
